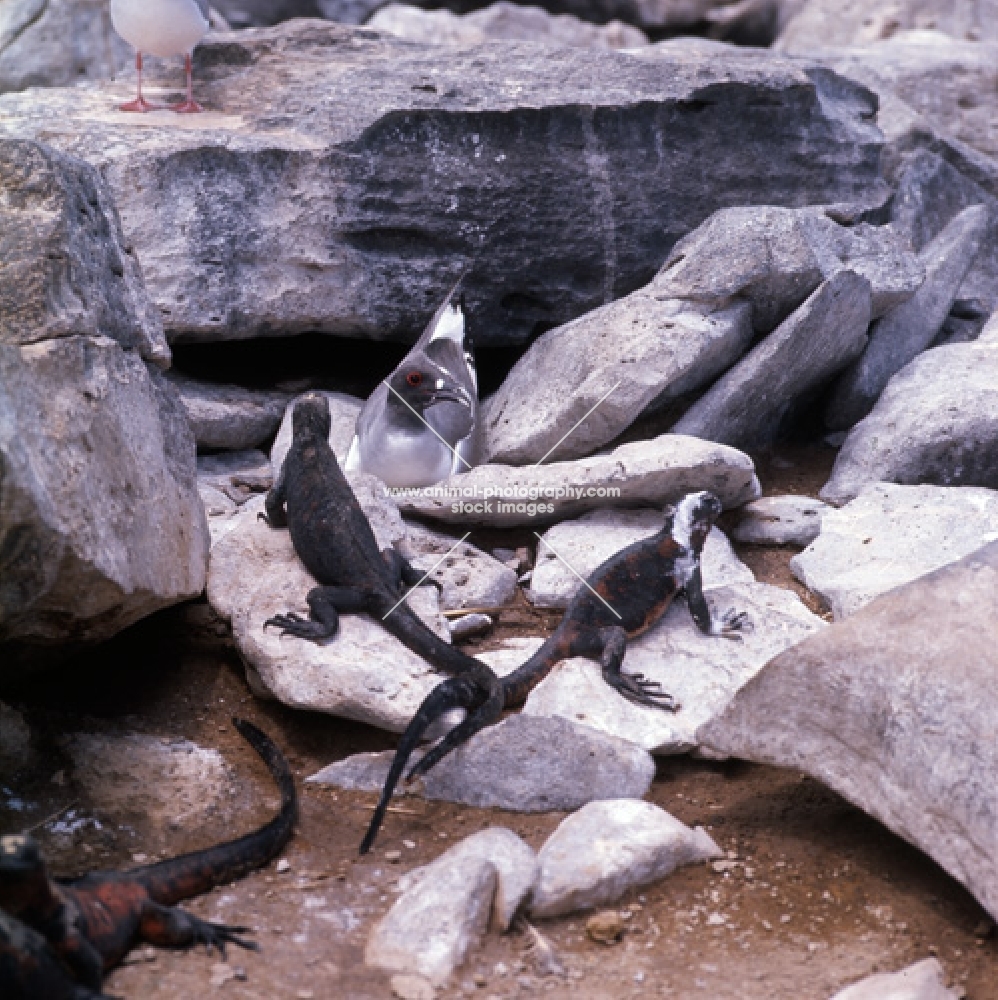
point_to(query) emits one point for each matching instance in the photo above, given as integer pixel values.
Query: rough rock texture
(503, 20)
(174, 783)
(470, 577)
(229, 416)
(907, 330)
(931, 192)
(342, 180)
(580, 385)
(362, 673)
(701, 672)
(936, 422)
(745, 406)
(237, 474)
(515, 862)
(343, 411)
(607, 848)
(782, 520)
(951, 82)
(776, 257)
(816, 23)
(894, 708)
(575, 549)
(430, 928)
(645, 473)
(890, 535)
(57, 43)
(925, 980)
(64, 267)
(100, 518)
(258, 13)
(524, 764)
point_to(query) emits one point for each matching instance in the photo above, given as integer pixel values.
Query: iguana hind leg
(170, 927)
(403, 572)
(633, 687)
(325, 605)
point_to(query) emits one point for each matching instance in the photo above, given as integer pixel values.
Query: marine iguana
(625, 596)
(93, 921)
(420, 424)
(30, 968)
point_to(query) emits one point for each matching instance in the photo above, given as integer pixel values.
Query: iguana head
(693, 517)
(311, 417)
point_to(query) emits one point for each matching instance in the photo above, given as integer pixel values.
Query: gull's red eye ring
(414, 378)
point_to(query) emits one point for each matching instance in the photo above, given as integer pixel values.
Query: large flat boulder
(890, 535)
(645, 473)
(936, 422)
(894, 708)
(341, 180)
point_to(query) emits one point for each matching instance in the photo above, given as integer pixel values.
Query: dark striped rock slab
(341, 180)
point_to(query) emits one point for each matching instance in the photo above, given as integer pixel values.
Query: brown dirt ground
(820, 895)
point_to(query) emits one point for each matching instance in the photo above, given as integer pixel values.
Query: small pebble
(140, 859)
(282, 866)
(605, 927)
(393, 857)
(409, 844)
(411, 987)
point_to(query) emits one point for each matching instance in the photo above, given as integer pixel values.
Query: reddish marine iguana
(625, 596)
(91, 922)
(31, 970)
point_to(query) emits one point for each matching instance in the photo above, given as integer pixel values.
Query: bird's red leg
(190, 106)
(140, 103)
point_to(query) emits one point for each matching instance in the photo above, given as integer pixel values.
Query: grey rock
(515, 862)
(407, 986)
(817, 23)
(608, 848)
(930, 193)
(15, 740)
(237, 474)
(951, 81)
(989, 335)
(297, 236)
(261, 13)
(894, 709)
(524, 764)
(580, 385)
(936, 422)
(431, 928)
(100, 519)
(57, 43)
(701, 672)
(780, 520)
(343, 411)
(890, 535)
(363, 673)
(745, 406)
(645, 473)
(925, 980)
(470, 625)
(776, 257)
(65, 270)
(907, 330)
(503, 20)
(574, 549)
(229, 417)
(470, 577)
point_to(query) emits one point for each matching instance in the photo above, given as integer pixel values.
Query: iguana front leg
(276, 516)
(731, 624)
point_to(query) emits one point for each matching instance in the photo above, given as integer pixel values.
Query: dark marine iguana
(92, 922)
(624, 597)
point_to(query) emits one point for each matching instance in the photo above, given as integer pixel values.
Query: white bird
(162, 28)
